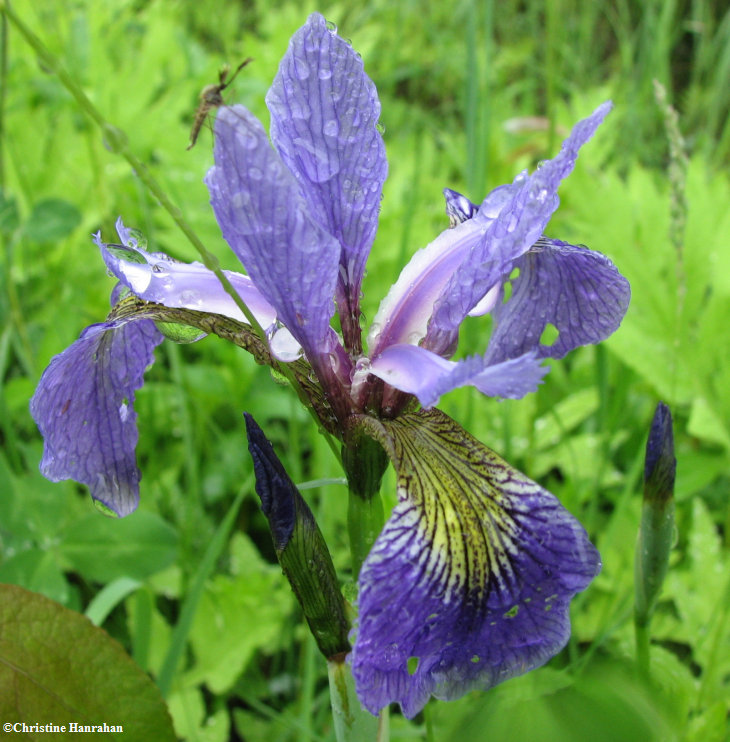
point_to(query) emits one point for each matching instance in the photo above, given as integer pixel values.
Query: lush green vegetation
(205, 610)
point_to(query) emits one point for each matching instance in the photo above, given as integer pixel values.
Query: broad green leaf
(36, 569)
(564, 416)
(51, 220)
(606, 705)
(237, 616)
(187, 708)
(57, 667)
(9, 218)
(103, 549)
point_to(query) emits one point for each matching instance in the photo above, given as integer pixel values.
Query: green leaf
(187, 708)
(38, 570)
(242, 621)
(57, 667)
(51, 220)
(9, 218)
(104, 550)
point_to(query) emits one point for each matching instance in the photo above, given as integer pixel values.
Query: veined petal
(470, 581)
(157, 278)
(84, 408)
(292, 260)
(516, 217)
(577, 290)
(324, 112)
(418, 371)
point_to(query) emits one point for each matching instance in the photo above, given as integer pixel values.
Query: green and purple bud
(300, 547)
(656, 532)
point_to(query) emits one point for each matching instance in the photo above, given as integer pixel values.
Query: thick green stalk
(364, 462)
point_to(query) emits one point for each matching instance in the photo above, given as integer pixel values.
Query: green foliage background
(472, 92)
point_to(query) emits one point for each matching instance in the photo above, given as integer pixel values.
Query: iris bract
(469, 581)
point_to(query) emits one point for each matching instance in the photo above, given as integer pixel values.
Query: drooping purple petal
(577, 290)
(292, 260)
(324, 112)
(418, 371)
(159, 279)
(470, 582)
(516, 217)
(84, 408)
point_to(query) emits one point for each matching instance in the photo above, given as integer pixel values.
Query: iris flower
(470, 580)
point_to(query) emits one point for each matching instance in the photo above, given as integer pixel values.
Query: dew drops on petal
(331, 128)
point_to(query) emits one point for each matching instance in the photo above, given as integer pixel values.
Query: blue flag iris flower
(470, 581)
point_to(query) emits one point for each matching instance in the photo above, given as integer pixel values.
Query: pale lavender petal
(159, 279)
(418, 371)
(292, 260)
(404, 314)
(324, 115)
(470, 581)
(84, 408)
(577, 290)
(516, 218)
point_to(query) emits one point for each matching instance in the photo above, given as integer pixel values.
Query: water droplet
(324, 73)
(331, 26)
(299, 109)
(103, 508)
(255, 173)
(249, 142)
(301, 68)
(380, 127)
(160, 269)
(331, 128)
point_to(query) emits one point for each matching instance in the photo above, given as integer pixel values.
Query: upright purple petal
(292, 260)
(470, 581)
(577, 290)
(324, 112)
(84, 408)
(418, 371)
(516, 217)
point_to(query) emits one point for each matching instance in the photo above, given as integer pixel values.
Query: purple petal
(324, 112)
(84, 408)
(159, 279)
(515, 217)
(579, 291)
(292, 260)
(418, 371)
(470, 582)
(403, 315)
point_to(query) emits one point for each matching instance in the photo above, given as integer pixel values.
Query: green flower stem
(365, 462)
(116, 141)
(352, 722)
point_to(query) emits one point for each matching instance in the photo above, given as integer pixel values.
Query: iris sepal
(84, 408)
(470, 581)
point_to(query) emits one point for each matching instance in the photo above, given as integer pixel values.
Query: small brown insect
(210, 97)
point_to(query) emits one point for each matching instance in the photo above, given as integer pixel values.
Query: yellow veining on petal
(465, 499)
